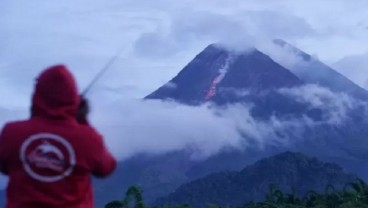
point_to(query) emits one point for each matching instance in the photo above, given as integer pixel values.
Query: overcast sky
(158, 38)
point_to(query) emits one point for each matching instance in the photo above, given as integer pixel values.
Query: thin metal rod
(101, 72)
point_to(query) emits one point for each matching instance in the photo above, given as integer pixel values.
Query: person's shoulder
(92, 139)
(12, 126)
(15, 124)
(90, 130)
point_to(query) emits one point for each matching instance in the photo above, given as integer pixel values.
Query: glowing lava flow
(222, 72)
(212, 90)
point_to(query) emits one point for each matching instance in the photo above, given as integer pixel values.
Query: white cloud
(237, 31)
(355, 67)
(335, 106)
(283, 55)
(171, 85)
(156, 126)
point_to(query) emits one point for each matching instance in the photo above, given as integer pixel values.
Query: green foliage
(132, 193)
(354, 195)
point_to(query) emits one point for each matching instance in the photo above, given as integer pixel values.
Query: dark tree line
(353, 195)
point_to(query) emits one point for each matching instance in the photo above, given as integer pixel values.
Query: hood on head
(55, 95)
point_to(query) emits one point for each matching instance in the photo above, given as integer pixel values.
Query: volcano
(221, 76)
(217, 70)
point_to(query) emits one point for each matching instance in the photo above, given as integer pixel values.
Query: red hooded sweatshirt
(50, 157)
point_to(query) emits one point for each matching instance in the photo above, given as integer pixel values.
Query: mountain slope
(285, 170)
(311, 70)
(221, 76)
(215, 67)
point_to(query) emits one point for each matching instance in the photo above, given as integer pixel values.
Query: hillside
(285, 170)
(311, 70)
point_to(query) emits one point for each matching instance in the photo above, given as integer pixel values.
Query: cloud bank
(137, 126)
(153, 126)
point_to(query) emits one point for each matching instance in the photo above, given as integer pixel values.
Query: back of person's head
(55, 94)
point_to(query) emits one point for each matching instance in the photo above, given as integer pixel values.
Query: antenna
(101, 72)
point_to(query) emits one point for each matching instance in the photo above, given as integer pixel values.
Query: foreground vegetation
(354, 195)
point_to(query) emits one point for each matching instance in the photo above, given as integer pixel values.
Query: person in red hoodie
(51, 157)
